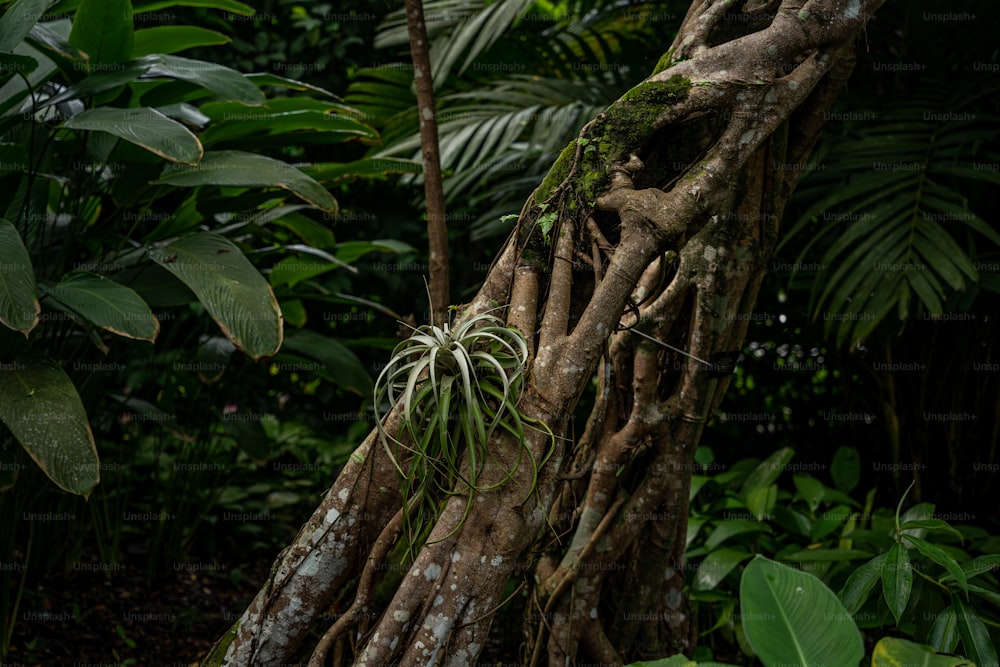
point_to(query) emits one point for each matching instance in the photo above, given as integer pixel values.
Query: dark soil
(90, 617)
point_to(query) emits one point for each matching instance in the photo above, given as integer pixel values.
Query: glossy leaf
(224, 5)
(726, 529)
(223, 81)
(930, 524)
(104, 30)
(107, 304)
(18, 20)
(231, 289)
(174, 38)
(809, 489)
(976, 641)
(251, 125)
(676, 661)
(760, 500)
(143, 127)
(768, 471)
(897, 579)
(790, 617)
(249, 170)
(366, 168)
(893, 652)
(716, 566)
(979, 565)
(19, 307)
(861, 583)
(41, 407)
(937, 555)
(944, 633)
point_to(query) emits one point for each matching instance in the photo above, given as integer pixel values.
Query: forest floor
(88, 618)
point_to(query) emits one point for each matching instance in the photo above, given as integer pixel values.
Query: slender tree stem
(437, 227)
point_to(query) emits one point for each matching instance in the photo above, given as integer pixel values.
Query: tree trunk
(667, 208)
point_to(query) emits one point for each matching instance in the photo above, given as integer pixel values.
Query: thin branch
(437, 227)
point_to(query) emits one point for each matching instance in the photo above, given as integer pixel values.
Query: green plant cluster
(163, 264)
(900, 574)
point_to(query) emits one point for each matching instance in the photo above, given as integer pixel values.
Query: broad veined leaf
(19, 307)
(174, 38)
(223, 81)
(41, 407)
(104, 30)
(339, 364)
(790, 617)
(231, 289)
(768, 471)
(18, 21)
(238, 168)
(107, 304)
(143, 127)
(893, 652)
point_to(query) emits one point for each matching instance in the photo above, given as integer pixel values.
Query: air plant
(454, 388)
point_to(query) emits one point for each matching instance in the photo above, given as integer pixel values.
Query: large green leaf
(41, 407)
(255, 124)
(676, 661)
(225, 5)
(104, 30)
(790, 617)
(143, 127)
(174, 38)
(18, 21)
(19, 306)
(223, 81)
(249, 170)
(893, 652)
(107, 304)
(227, 284)
(366, 168)
(339, 364)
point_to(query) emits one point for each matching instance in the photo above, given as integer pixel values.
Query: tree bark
(668, 208)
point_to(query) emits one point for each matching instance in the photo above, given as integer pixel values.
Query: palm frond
(891, 209)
